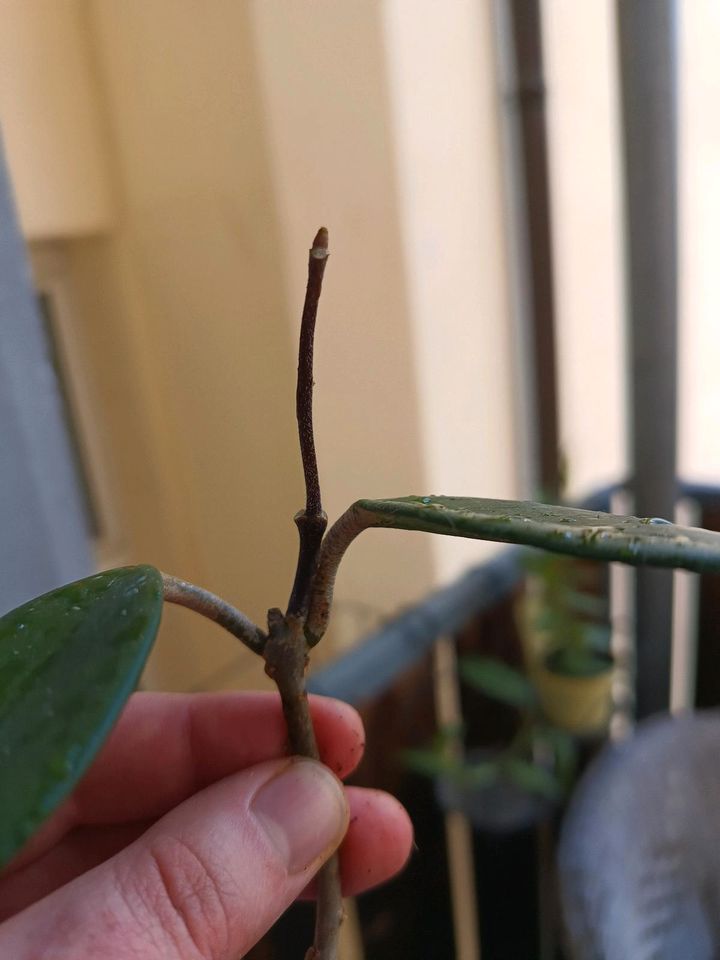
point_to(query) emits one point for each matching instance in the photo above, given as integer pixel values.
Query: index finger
(167, 746)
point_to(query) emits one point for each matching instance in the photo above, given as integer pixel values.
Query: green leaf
(430, 763)
(587, 604)
(564, 748)
(477, 776)
(582, 533)
(497, 680)
(578, 662)
(532, 778)
(597, 636)
(68, 662)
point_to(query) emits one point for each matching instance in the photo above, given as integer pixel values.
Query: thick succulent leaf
(582, 533)
(68, 662)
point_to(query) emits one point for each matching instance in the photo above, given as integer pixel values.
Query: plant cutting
(567, 638)
(70, 659)
(510, 787)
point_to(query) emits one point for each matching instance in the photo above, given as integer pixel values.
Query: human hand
(193, 831)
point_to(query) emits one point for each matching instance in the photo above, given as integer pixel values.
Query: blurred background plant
(568, 620)
(563, 616)
(511, 785)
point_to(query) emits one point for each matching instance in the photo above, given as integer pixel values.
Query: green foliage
(497, 680)
(475, 776)
(532, 778)
(431, 762)
(570, 622)
(581, 533)
(563, 750)
(68, 662)
(577, 663)
(540, 760)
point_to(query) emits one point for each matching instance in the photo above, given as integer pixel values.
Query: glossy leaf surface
(582, 533)
(68, 662)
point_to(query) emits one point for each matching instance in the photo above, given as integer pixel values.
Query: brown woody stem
(285, 662)
(317, 262)
(286, 650)
(311, 522)
(338, 539)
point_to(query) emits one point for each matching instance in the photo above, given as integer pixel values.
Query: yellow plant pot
(580, 705)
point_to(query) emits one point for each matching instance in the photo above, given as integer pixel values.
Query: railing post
(647, 51)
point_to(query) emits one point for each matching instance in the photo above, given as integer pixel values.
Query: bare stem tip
(320, 243)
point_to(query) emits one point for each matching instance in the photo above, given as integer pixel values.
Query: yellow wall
(220, 260)
(51, 119)
(441, 65)
(583, 134)
(330, 143)
(699, 441)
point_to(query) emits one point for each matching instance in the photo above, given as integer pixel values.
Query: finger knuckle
(185, 897)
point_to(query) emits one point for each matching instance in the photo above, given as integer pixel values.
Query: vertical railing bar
(622, 631)
(524, 381)
(529, 92)
(647, 42)
(686, 600)
(458, 831)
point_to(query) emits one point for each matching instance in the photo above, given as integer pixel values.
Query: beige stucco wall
(699, 439)
(324, 87)
(583, 134)
(293, 122)
(200, 236)
(441, 78)
(51, 119)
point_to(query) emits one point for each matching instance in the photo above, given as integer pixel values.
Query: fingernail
(304, 812)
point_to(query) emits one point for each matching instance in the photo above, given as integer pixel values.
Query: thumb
(204, 883)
